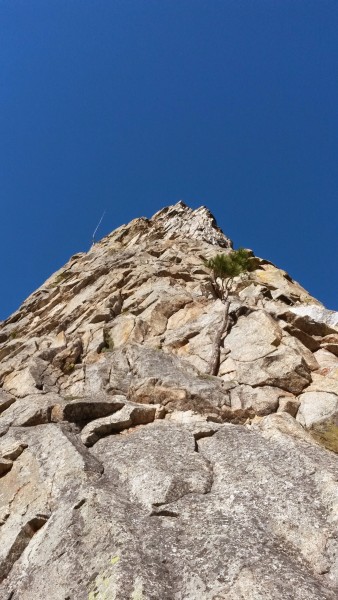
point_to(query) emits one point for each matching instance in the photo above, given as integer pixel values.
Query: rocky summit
(133, 465)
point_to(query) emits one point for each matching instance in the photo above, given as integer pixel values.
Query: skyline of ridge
(179, 209)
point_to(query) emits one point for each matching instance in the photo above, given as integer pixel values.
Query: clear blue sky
(131, 105)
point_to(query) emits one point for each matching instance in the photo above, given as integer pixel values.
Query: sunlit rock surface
(128, 471)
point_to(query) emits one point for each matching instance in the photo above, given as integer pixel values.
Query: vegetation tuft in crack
(224, 268)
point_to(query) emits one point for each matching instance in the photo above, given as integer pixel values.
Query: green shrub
(227, 266)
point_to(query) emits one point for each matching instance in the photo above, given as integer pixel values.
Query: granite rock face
(128, 471)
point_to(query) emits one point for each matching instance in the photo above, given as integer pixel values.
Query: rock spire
(127, 470)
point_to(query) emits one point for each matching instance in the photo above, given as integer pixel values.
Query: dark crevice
(165, 513)
(214, 363)
(285, 299)
(203, 434)
(266, 293)
(241, 311)
(91, 463)
(108, 344)
(79, 504)
(21, 542)
(198, 436)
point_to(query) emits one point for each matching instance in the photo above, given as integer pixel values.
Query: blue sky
(128, 106)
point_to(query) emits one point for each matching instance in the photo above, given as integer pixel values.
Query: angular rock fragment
(318, 413)
(130, 415)
(330, 343)
(5, 400)
(318, 316)
(11, 449)
(288, 405)
(81, 410)
(34, 409)
(284, 368)
(253, 337)
(161, 378)
(246, 402)
(328, 363)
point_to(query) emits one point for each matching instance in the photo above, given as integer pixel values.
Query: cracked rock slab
(158, 464)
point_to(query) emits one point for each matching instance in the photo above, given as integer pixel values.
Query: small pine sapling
(224, 268)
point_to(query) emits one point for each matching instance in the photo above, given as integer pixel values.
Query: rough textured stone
(129, 472)
(318, 314)
(284, 368)
(248, 402)
(5, 400)
(253, 337)
(328, 363)
(288, 405)
(318, 413)
(330, 343)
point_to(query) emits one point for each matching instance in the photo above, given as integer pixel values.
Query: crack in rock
(21, 542)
